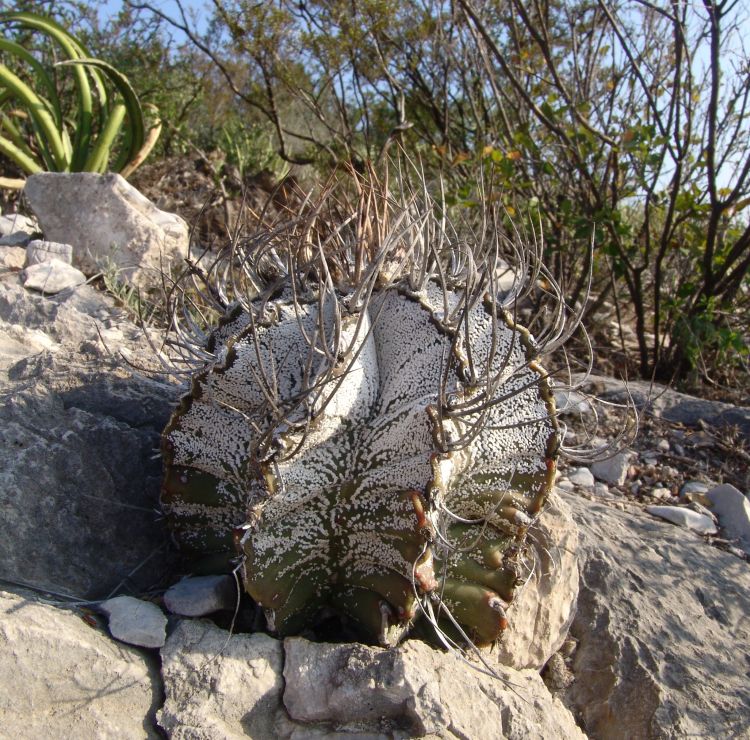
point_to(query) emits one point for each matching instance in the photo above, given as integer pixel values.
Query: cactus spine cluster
(368, 429)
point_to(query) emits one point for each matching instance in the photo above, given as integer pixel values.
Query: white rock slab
(136, 622)
(108, 222)
(238, 686)
(62, 678)
(684, 517)
(40, 250)
(52, 276)
(733, 510)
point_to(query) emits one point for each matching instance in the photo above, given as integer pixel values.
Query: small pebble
(663, 445)
(693, 486)
(581, 477)
(136, 622)
(651, 461)
(698, 498)
(601, 489)
(661, 493)
(565, 485)
(679, 449)
(613, 470)
(196, 597)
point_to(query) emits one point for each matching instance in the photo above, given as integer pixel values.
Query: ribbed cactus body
(380, 451)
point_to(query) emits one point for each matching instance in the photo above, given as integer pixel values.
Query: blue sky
(169, 7)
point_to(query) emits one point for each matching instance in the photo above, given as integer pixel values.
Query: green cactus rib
(366, 457)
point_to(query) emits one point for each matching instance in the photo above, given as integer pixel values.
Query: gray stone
(109, 223)
(40, 250)
(52, 276)
(693, 486)
(581, 477)
(544, 606)
(61, 677)
(12, 223)
(135, 621)
(564, 484)
(662, 630)
(733, 510)
(676, 407)
(601, 489)
(685, 517)
(201, 595)
(613, 470)
(79, 484)
(16, 239)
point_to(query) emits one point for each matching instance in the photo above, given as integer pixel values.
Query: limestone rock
(201, 595)
(135, 621)
(78, 428)
(107, 221)
(676, 407)
(52, 276)
(544, 607)
(233, 687)
(662, 630)
(733, 510)
(413, 691)
(221, 686)
(59, 677)
(40, 250)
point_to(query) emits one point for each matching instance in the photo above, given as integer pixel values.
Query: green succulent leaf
(42, 118)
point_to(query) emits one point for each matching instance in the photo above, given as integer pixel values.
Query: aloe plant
(109, 131)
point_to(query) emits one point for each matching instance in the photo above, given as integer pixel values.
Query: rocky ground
(631, 626)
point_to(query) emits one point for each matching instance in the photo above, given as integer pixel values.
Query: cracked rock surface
(256, 686)
(663, 630)
(61, 677)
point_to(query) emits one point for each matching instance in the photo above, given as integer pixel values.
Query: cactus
(367, 429)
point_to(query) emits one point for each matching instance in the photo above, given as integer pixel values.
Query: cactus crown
(367, 426)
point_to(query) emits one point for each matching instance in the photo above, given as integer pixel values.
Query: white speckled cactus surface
(370, 432)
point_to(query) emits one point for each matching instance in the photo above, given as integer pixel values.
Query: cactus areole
(370, 434)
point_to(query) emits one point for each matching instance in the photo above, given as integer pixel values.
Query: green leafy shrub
(109, 129)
